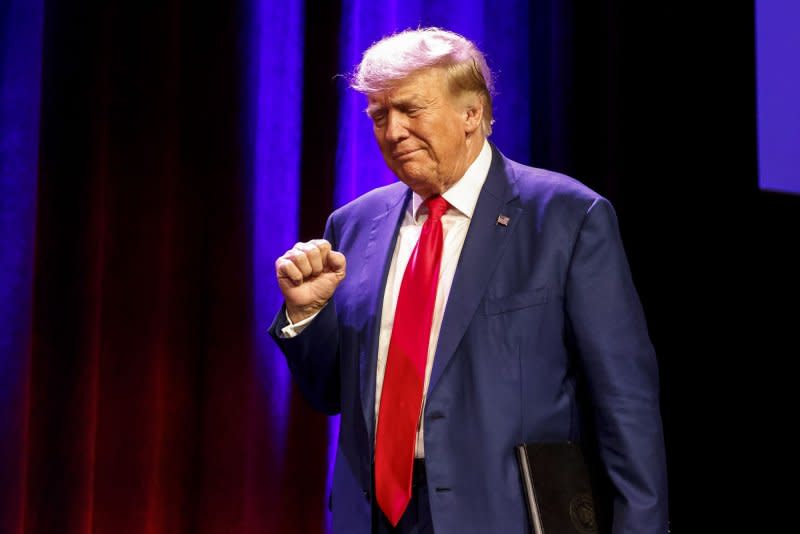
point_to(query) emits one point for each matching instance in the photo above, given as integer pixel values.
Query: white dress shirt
(462, 197)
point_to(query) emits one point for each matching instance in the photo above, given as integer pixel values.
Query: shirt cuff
(294, 329)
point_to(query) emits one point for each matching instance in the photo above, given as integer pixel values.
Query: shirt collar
(463, 195)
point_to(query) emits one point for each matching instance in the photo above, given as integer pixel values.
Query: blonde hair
(397, 56)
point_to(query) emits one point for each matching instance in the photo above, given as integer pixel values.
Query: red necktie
(404, 378)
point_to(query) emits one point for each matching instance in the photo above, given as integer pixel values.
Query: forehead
(426, 84)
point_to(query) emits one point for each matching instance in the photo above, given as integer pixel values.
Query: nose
(396, 128)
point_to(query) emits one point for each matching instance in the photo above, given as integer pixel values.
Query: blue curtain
(20, 74)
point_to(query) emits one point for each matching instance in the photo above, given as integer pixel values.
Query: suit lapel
(482, 250)
(377, 259)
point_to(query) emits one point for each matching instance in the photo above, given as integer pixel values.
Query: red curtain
(145, 411)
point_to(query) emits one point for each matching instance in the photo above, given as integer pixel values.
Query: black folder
(557, 488)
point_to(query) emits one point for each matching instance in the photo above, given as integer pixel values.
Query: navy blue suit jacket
(536, 308)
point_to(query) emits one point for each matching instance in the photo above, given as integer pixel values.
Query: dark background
(143, 198)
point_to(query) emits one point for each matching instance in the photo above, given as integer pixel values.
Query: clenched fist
(308, 274)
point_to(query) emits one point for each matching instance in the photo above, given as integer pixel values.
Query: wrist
(300, 313)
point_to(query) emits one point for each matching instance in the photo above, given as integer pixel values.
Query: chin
(423, 185)
(413, 174)
(424, 188)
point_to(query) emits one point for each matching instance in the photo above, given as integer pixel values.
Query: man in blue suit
(532, 327)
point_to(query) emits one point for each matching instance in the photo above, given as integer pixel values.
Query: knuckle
(299, 256)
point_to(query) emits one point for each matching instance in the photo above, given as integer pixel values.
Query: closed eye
(378, 118)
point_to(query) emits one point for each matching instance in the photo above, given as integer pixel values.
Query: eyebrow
(374, 108)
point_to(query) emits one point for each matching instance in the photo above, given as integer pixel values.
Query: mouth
(404, 154)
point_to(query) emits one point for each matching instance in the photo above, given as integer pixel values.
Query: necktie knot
(437, 206)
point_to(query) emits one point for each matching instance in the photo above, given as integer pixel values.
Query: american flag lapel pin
(503, 220)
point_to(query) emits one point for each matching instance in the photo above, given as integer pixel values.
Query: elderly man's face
(427, 136)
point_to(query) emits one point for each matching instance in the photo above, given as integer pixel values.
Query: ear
(473, 113)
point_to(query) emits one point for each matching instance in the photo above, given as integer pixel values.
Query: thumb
(336, 261)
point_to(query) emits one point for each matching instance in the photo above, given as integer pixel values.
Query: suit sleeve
(621, 372)
(313, 355)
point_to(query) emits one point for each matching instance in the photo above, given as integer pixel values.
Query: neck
(474, 146)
